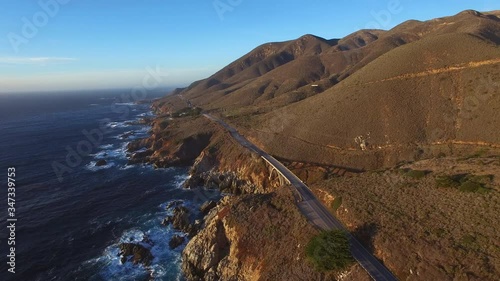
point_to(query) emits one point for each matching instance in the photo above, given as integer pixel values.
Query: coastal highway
(313, 210)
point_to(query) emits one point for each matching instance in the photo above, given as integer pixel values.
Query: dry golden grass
(421, 231)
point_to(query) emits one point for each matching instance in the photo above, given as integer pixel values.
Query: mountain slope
(447, 94)
(403, 91)
(285, 68)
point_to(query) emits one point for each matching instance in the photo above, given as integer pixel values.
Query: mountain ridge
(388, 84)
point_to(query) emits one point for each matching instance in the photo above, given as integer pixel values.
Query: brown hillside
(396, 131)
(420, 94)
(403, 90)
(276, 74)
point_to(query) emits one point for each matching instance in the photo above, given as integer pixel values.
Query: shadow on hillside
(366, 235)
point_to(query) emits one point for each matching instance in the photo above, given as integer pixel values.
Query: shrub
(446, 181)
(480, 153)
(187, 111)
(465, 182)
(439, 232)
(468, 239)
(416, 174)
(337, 202)
(472, 186)
(163, 124)
(329, 251)
(483, 179)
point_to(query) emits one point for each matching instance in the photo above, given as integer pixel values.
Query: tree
(330, 251)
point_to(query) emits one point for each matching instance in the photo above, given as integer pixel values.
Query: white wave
(100, 155)
(125, 103)
(146, 114)
(92, 167)
(165, 262)
(179, 180)
(120, 152)
(106, 146)
(144, 129)
(172, 203)
(123, 148)
(126, 167)
(132, 236)
(117, 124)
(110, 153)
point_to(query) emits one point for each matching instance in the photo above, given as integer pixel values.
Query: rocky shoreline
(237, 237)
(167, 147)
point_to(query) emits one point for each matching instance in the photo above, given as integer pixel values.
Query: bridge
(312, 208)
(273, 170)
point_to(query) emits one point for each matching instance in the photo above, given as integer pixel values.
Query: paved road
(314, 211)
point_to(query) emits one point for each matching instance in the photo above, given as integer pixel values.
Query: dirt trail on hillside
(477, 143)
(379, 146)
(435, 71)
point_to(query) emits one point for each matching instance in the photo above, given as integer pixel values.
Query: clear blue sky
(110, 43)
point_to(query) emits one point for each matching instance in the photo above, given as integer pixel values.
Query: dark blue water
(72, 214)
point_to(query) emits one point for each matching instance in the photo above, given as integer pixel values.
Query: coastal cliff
(255, 232)
(252, 237)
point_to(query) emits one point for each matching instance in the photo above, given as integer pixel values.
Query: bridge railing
(277, 170)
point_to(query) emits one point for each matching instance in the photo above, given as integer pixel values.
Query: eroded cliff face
(217, 160)
(252, 237)
(173, 142)
(227, 166)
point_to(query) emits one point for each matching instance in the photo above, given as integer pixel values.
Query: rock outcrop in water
(176, 241)
(101, 162)
(137, 253)
(181, 220)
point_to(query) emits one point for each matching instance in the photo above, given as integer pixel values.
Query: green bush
(468, 240)
(472, 186)
(187, 111)
(441, 155)
(416, 174)
(480, 153)
(483, 179)
(337, 202)
(465, 182)
(446, 181)
(329, 251)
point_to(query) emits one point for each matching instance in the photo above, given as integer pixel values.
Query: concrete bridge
(274, 171)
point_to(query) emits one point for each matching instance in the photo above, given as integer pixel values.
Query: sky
(54, 45)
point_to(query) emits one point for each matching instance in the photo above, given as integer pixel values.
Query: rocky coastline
(237, 237)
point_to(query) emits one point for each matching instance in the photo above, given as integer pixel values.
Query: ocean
(71, 214)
